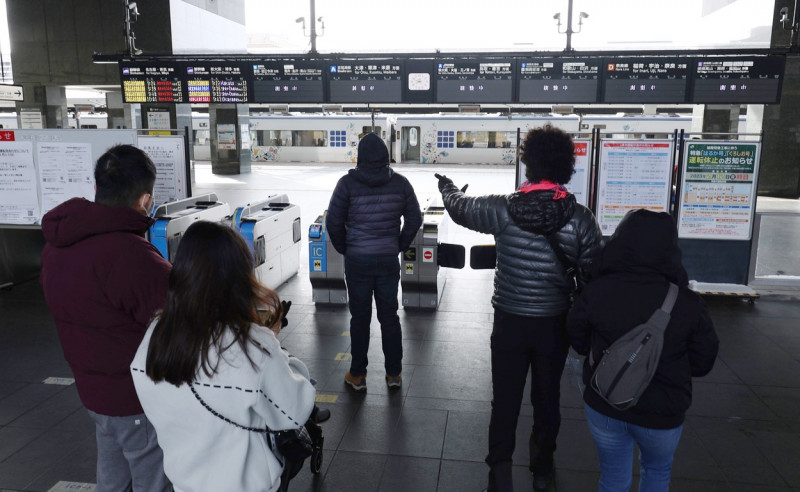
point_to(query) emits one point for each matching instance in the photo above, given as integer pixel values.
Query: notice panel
(66, 170)
(558, 81)
(169, 157)
(19, 200)
(288, 81)
(151, 82)
(633, 174)
(473, 81)
(365, 81)
(716, 199)
(646, 80)
(748, 80)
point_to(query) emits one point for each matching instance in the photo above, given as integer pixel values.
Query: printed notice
(19, 199)
(65, 171)
(633, 174)
(169, 157)
(226, 136)
(718, 189)
(579, 184)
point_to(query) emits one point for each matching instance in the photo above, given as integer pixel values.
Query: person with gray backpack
(645, 335)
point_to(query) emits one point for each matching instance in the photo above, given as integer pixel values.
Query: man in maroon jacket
(103, 282)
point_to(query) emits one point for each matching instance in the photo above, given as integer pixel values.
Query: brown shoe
(394, 382)
(358, 383)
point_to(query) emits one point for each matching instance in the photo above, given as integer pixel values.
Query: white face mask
(148, 205)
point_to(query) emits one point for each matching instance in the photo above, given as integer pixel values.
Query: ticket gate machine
(271, 229)
(325, 266)
(173, 218)
(420, 277)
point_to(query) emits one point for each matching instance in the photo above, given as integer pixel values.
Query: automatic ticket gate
(173, 218)
(271, 229)
(420, 277)
(325, 266)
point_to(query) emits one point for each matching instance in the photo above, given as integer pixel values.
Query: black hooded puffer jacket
(529, 279)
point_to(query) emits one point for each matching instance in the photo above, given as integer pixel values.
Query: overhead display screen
(474, 81)
(151, 82)
(646, 80)
(752, 80)
(365, 81)
(216, 82)
(558, 81)
(288, 81)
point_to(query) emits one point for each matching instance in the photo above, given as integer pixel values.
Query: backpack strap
(669, 301)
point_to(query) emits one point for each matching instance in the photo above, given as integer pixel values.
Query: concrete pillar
(133, 115)
(56, 115)
(115, 110)
(230, 138)
(183, 122)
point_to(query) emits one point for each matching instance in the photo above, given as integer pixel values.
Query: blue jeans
(377, 275)
(615, 439)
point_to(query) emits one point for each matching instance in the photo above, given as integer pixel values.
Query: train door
(409, 144)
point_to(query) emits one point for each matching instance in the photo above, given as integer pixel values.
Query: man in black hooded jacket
(531, 293)
(363, 222)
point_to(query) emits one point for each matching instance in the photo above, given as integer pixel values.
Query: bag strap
(669, 301)
(266, 430)
(569, 267)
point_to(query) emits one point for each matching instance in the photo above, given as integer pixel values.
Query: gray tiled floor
(742, 432)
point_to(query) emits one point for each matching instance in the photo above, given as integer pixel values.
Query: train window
(291, 138)
(368, 129)
(338, 138)
(445, 139)
(412, 137)
(485, 139)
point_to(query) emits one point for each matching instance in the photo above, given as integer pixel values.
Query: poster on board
(579, 184)
(716, 198)
(66, 171)
(19, 198)
(632, 174)
(169, 157)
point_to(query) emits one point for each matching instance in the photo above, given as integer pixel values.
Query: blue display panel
(562, 81)
(474, 81)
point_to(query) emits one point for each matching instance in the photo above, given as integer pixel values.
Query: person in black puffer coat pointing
(532, 293)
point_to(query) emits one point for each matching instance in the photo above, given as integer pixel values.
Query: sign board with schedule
(288, 81)
(738, 80)
(365, 81)
(561, 81)
(216, 82)
(150, 82)
(474, 81)
(646, 80)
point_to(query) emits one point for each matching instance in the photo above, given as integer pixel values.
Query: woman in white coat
(210, 365)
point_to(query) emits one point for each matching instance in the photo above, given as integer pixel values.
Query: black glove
(443, 181)
(285, 305)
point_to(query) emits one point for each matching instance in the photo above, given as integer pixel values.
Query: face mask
(148, 210)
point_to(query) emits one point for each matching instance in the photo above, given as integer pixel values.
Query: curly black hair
(548, 153)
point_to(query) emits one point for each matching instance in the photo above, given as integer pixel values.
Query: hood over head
(372, 152)
(541, 208)
(645, 242)
(78, 218)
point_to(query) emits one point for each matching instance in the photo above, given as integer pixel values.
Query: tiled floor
(742, 432)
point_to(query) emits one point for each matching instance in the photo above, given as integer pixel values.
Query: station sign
(646, 80)
(738, 80)
(288, 81)
(558, 81)
(11, 92)
(365, 81)
(474, 81)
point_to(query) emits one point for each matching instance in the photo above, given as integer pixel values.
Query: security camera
(557, 16)
(134, 8)
(300, 19)
(584, 15)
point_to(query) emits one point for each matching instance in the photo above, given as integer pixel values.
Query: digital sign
(558, 81)
(365, 81)
(646, 80)
(216, 82)
(468, 81)
(152, 82)
(735, 80)
(288, 81)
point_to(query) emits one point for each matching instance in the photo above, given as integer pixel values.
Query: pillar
(229, 126)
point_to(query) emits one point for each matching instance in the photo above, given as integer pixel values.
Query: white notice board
(19, 200)
(718, 190)
(632, 174)
(579, 184)
(169, 156)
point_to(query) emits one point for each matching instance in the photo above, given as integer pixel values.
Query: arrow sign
(11, 92)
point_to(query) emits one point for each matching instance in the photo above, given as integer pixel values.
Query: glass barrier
(775, 257)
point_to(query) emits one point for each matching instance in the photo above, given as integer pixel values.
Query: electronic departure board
(735, 80)
(216, 82)
(558, 81)
(646, 80)
(474, 81)
(151, 82)
(365, 81)
(288, 81)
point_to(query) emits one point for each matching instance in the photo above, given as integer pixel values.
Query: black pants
(520, 344)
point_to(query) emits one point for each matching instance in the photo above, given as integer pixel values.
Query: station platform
(742, 432)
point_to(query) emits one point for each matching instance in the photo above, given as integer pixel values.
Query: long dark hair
(212, 289)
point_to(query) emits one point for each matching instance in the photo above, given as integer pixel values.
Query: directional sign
(11, 92)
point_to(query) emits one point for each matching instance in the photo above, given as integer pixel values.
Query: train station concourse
(701, 124)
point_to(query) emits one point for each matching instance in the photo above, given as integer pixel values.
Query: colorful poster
(716, 199)
(65, 171)
(19, 198)
(632, 174)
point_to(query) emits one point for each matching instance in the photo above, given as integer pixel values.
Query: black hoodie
(635, 269)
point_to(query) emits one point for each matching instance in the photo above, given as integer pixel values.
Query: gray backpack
(628, 364)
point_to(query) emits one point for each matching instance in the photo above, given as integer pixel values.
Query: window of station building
(445, 139)
(291, 138)
(483, 139)
(338, 138)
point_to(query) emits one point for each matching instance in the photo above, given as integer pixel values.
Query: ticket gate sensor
(325, 266)
(173, 218)
(271, 229)
(421, 279)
